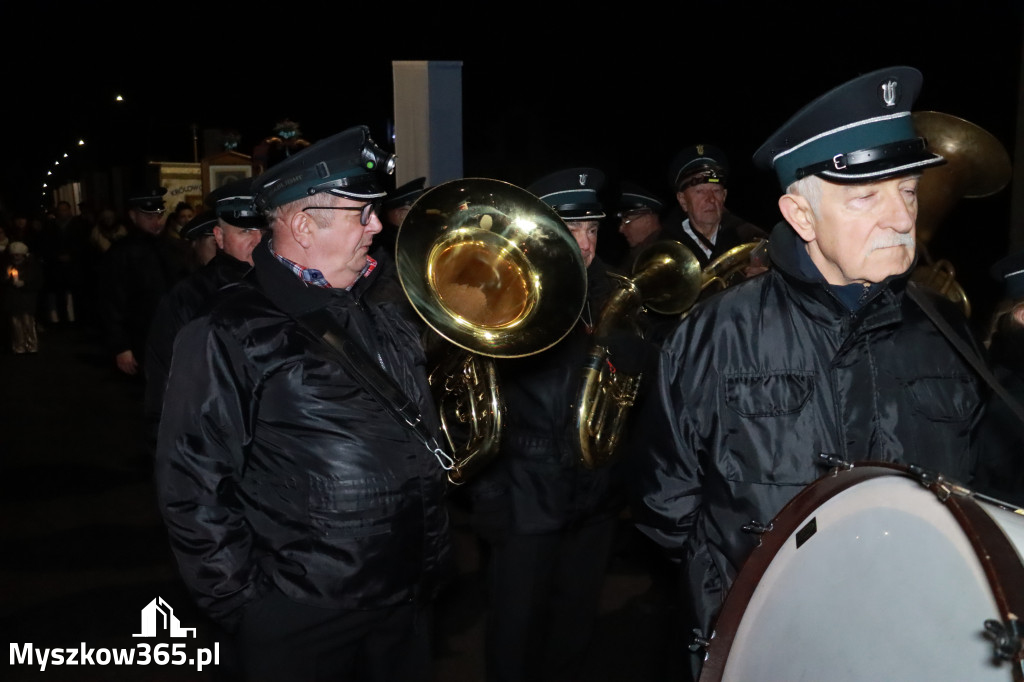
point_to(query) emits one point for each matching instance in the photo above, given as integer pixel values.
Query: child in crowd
(22, 281)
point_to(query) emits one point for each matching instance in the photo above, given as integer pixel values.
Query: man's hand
(754, 270)
(126, 362)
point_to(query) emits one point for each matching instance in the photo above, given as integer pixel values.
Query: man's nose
(901, 215)
(374, 226)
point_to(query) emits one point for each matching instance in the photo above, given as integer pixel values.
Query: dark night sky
(567, 85)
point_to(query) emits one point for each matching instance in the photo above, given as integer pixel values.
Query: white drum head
(878, 582)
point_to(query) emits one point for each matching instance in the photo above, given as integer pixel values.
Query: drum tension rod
(756, 528)
(1006, 638)
(937, 483)
(700, 641)
(833, 462)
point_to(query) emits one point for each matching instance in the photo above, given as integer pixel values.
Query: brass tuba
(493, 270)
(977, 166)
(940, 276)
(666, 278)
(727, 269)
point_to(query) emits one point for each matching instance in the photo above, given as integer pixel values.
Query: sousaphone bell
(977, 166)
(493, 270)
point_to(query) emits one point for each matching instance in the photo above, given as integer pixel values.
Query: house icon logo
(158, 618)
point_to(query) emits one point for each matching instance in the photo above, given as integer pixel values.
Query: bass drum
(874, 573)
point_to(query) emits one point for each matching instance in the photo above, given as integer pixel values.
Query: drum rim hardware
(1007, 638)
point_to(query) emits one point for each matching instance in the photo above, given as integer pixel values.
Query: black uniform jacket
(134, 274)
(733, 232)
(760, 379)
(536, 484)
(275, 468)
(1001, 455)
(177, 308)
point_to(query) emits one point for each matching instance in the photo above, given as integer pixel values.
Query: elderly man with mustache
(829, 352)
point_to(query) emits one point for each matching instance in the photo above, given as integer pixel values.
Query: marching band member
(305, 518)
(1001, 453)
(547, 520)
(828, 352)
(699, 176)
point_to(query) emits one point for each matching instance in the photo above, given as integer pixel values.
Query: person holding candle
(22, 280)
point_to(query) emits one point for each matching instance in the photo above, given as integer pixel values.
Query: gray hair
(808, 187)
(292, 207)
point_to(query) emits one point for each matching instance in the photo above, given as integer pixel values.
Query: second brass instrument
(666, 278)
(494, 271)
(977, 165)
(727, 269)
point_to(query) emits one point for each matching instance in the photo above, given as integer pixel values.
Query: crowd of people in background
(61, 255)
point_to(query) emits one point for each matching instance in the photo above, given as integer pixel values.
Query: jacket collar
(222, 259)
(291, 294)
(882, 306)
(599, 283)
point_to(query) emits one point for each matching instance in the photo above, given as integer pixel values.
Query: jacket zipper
(366, 314)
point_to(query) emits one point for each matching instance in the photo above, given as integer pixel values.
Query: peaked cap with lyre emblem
(697, 164)
(572, 192)
(858, 132)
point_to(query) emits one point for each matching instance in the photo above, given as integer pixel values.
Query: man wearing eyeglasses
(639, 220)
(305, 517)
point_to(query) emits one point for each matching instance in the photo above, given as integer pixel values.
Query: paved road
(84, 549)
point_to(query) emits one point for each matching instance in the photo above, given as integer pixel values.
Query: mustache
(891, 240)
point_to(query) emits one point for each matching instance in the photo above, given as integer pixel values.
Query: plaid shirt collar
(312, 276)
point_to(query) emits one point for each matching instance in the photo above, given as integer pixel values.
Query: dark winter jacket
(134, 274)
(277, 470)
(178, 307)
(536, 484)
(1001, 452)
(733, 232)
(760, 379)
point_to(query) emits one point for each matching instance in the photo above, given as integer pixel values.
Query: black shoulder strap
(970, 354)
(700, 237)
(374, 379)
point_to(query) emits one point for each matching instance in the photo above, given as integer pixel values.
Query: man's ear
(1018, 314)
(683, 204)
(301, 226)
(798, 213)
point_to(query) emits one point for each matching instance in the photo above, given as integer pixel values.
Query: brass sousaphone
(493, 270)
(977, 166)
